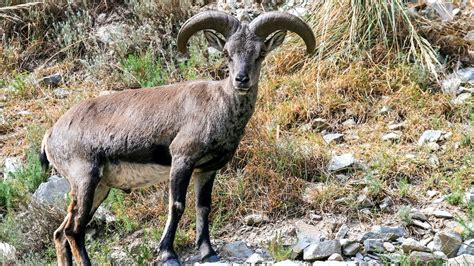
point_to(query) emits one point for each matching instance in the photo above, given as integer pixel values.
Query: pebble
(255, 258)
(430, 136)
(256, 219)
(389, 247)
(411, 244)
(373, 245)
(335, 257)
(442, 214)
(392, 136)
(342, 232)
(52, 80)
(336, 137)
(421, 224)
(351, 248)
(397, 126)
(321, 250)
(341, 162)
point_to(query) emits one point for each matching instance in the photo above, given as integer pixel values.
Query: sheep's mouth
(242, 90)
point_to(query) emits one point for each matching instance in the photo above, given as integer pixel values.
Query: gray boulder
(462, 260)
(53, 192)
(467, 247)
(52, 80)
(322, 250)
(237, 249)
(447, 242)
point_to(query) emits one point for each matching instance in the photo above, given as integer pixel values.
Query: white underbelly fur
(125, 175)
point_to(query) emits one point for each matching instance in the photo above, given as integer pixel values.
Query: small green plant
(404, 186)
(466, 140)
(455, 198)
(374, 185)
(144, 70)
(404, 214)
(31, 174)
(277, 250)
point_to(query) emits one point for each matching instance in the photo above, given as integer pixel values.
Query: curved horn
(221, 22)
(270, 22)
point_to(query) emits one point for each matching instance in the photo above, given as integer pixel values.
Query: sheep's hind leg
(203, 183)
(63, 250)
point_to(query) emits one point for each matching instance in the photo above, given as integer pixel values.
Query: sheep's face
(245, 52)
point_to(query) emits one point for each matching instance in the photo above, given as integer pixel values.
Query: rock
(24, 113)
(351, 248)
(307, 232)
(373, 245)
(430, 136)
(256, 219)
(255, 258)
(469, 36)
(417, 214)
(53, 192)
(467, 247)
(447, 242)
(411, 244)
(349, 122)
(440, 255)
(12, 164)
(113, 33)
(422, 258)
(315, 217)
(3, 123)
(431, 193)
(52, 80)
(341, 162)
(390, 232)
(462, 98)
(289, 263)
(469, 196)
(333, 137)
(389, 247)
(7, 253)
(104, 215)
(392, 136)
(421, 224)
(451, 84)
(120, 257)
(466, 74)
(462, 260)
(322, 250)
(61, 93)
(335, 257)
(298, 248)
(386, 203)
(384, 110)
(442, 214)
(397, 126)
(363, 201)
(433, 160)
(342, 232)
(237, 249)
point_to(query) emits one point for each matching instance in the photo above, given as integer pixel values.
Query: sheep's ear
(214, 40)
(275, 40)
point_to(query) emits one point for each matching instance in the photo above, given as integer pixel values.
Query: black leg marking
(203, 183)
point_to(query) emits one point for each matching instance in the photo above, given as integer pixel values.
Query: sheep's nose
(242, 78)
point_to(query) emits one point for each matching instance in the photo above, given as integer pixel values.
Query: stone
(422, 258)
(53, 192)
(351, 248)
(104, 215)
(469, 196)
(442, 214)
(440, 255)
(341, 162)
(307, 232)
(462, 98)
(336, 137)
(386, 203)
(120, 257)
(335, 257)
(466, 74)
(421, 224)
(392, 136)
(255, 258)
(256, 219)
(52, 80)
(462, 260)
(315, 217)
(342, 232)
(61, 93)
(389, 247)
(417, 214)
(430, 136)
(12, 164)
(397, 126)
(113, 33)
(411, 244)
(298, 248)
(349, 122)
(447, 242)
(237, 249)
(467, 247)
(390, 232)
(433, 160)
(3, 123)
(431, 193)
(322, 250)
(451, 84)
(363, 201)
(7, 253)
(288, 263)
(373, 245)
(384, 110)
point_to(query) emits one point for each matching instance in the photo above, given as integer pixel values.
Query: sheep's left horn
(270, 22)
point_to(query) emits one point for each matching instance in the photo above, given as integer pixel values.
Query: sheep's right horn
(221, 22)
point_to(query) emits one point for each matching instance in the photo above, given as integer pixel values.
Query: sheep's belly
(124, 175)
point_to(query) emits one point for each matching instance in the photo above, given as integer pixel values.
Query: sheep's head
(245, 45)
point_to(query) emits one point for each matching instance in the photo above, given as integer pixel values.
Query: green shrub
(143, 70)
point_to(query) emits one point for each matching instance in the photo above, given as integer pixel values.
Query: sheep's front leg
(181, 171)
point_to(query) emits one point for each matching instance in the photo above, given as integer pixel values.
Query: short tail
(43, 157)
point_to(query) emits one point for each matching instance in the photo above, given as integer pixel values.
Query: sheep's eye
(262, 54)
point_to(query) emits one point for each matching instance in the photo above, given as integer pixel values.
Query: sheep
(137, 138)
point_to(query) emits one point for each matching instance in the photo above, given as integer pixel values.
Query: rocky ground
(383, 174)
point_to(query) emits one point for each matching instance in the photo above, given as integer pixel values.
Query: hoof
(211, 258)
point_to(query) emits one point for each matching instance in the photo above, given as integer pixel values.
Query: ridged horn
(219, 21)
(270, 22)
